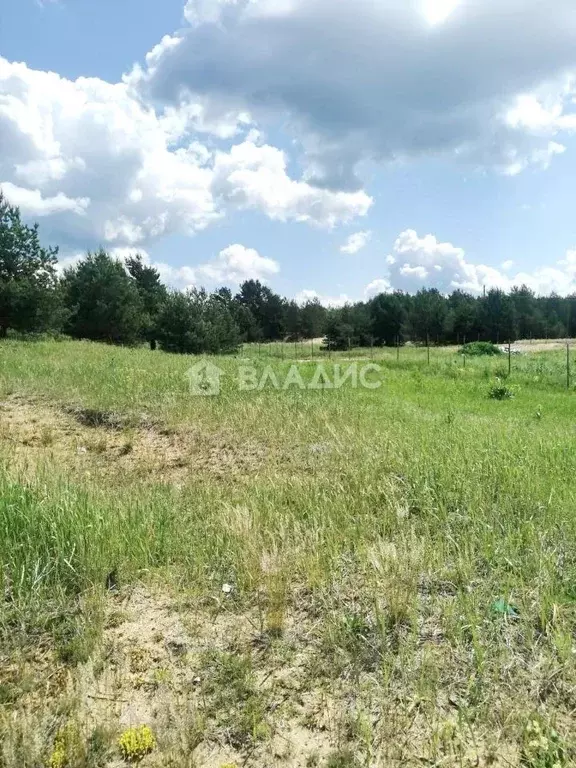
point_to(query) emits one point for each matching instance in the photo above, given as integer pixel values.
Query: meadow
(332, 578)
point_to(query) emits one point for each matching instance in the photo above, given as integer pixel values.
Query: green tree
(339, 334)
(463, 308)
(313, 319)
(428, 315)
(293, 321)
(30, 299)
(498, 317)
(195, 323)
(103, 301)
(388, 316)
(267, 309)
(152, 294)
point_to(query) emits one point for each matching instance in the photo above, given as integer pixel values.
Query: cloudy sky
(328, 147)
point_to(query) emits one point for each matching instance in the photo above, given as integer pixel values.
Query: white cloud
(66, 145)
(236, 263)
(356, 243)
(376, 287)
(232, 266)
(425, 262)
(254, 176)
(359, 80)
(326, 301)
(32, 203)
(199, 12)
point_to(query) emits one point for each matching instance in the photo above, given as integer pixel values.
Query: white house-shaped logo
(204, 379)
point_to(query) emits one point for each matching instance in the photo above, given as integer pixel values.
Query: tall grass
(420, 504)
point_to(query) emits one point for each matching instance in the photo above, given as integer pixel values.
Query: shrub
(499, 392)
(477, 348)
(136, 743)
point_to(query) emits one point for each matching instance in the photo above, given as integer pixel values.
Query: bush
(477, 348)
(500, 392)
(195, 323)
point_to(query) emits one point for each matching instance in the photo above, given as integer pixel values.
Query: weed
(376, 610)
(480, 349)
(542, 746)
(136, 743)
(500, 392)
(343, 758)
(69, 750)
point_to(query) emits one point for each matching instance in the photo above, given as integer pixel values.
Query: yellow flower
(135, 743)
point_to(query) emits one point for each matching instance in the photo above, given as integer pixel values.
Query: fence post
(509, 357)
(568, 364)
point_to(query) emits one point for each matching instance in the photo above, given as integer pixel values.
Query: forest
(103, 299)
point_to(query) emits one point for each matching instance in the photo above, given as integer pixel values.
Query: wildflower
(135, 743)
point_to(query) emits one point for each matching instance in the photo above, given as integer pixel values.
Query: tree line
(103, 299)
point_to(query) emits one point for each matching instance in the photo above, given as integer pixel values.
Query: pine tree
(29, 295)
(103, 301)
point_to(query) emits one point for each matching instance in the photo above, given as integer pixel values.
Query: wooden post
(568, 364)
(509, 357)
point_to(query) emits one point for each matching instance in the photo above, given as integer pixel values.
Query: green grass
(386, 522)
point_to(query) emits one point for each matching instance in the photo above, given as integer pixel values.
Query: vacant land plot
(286, 577)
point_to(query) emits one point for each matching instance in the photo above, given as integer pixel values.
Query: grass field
(332, 578)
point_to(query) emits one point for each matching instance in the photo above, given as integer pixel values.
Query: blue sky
(258, 136)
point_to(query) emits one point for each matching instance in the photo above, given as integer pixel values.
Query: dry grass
(296, 579)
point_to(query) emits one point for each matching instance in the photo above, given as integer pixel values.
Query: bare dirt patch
(122, 446)
(207, 683)
(542, 345)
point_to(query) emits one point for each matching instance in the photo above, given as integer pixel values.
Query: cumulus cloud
(252, 176)
(425, 262)
(361, 80)
(31, 201)
(68, 146)
(327, 301)
(377, 286)
(356, 242)
(236, 263)
(232, 266)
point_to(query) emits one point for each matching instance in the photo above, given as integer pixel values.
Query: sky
(330, 148)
